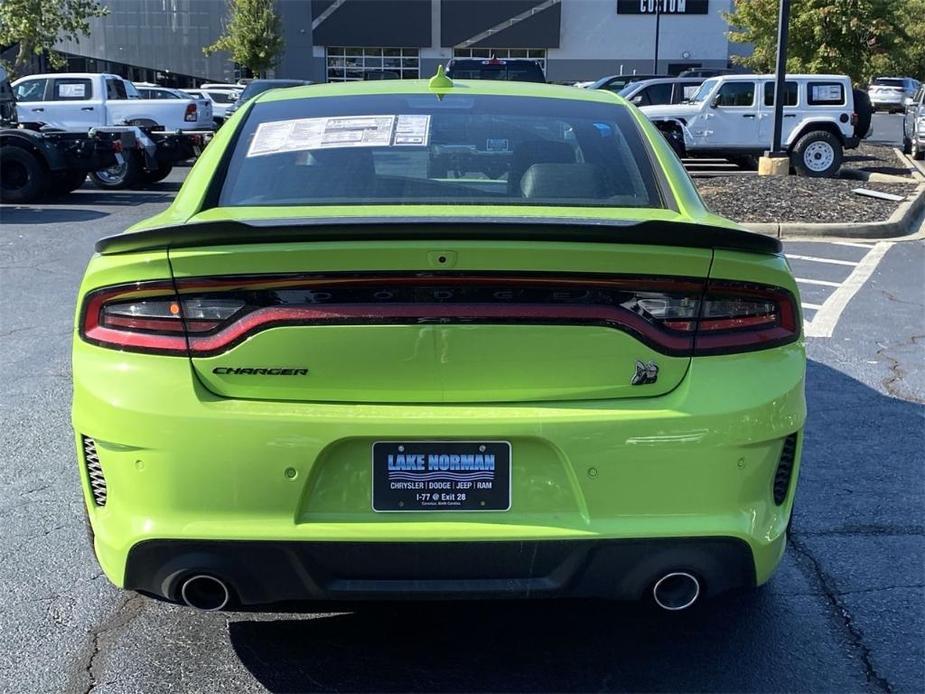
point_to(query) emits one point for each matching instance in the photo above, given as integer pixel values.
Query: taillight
(673, 315)
(150, 317)
(190, 113)
(740, 317)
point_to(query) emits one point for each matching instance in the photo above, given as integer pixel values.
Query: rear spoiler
(653, 232)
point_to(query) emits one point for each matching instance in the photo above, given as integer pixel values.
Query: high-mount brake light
(679, 316)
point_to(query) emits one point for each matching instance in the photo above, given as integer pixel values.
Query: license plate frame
(415, 484)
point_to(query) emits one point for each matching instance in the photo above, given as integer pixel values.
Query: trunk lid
(438, 321)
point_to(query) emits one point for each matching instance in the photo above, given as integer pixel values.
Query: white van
(732, 116)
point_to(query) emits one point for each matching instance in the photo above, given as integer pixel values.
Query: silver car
(890, 93)
(914, 125)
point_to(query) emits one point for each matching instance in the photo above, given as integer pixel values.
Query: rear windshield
(456, 149)
(887, 82)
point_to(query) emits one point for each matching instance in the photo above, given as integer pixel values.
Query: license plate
(441, 476)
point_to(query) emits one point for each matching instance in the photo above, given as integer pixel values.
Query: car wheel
(916, 151)
(118, 176)
(23, 177)
(67, 181)
(675, 137)
(159, 174)
(817, 154)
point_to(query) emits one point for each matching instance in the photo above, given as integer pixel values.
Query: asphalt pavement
(843, 614)
(888, 128)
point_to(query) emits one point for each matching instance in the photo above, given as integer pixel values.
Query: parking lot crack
(86, 676)
(894, 383)
(810, 566)
(893, 297)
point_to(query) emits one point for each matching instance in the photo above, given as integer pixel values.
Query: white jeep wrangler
(732, 116)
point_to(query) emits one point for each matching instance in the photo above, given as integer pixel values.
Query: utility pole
(780, 77)
(658, 19)
(775, 161)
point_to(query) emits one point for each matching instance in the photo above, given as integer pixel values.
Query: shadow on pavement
(784, 636)
(85, 197)
(21, 214)
(524, 647)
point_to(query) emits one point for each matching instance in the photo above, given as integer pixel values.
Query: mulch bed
(878, 158)
(751, 199)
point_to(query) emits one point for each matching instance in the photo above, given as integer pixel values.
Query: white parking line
(814, 307)
(826, 318)
(814, 259)
(822, 283)
(868, 246)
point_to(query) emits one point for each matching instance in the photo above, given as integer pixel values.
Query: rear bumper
(182, 464)
(261, 574)
(888, 101)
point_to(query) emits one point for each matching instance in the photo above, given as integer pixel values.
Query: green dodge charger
(437, 339)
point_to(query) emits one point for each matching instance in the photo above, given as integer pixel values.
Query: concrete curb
(918, 167)
(899, 224)
(877, 177)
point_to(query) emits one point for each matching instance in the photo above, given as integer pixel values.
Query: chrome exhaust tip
(676, 591)
(205, 593)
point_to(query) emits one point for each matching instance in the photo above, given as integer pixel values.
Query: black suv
(510, 69)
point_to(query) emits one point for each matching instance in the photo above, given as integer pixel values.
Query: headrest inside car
(562, 181)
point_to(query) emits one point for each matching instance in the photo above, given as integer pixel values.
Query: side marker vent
(94, 471)
(785, 469)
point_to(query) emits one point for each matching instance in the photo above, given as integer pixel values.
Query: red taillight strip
(347, 314)
(159, 324)
(715, 335)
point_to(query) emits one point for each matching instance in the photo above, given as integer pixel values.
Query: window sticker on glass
(497, 144)
(827, 92)
(321, 133)
(72, 91)
(412, 130)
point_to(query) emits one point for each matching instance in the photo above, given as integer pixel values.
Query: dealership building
(342, 40)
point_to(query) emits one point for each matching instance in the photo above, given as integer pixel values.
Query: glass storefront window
(347, 64)
(537, 54)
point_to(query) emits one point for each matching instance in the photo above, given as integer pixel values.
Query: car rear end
(888, 93)
(198, 114)
(354, 379)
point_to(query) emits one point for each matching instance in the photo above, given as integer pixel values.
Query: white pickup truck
(732, 116)
(80, 101)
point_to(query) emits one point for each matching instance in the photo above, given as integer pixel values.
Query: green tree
(843, 36)
(908, 59)
(251, 35)
(36, 25)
